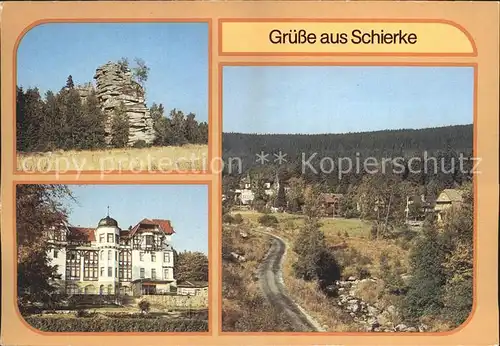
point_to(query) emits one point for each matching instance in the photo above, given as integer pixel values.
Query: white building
(107, 260)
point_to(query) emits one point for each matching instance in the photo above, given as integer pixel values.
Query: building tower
(107, 235)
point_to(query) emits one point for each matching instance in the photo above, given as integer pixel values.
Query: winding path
(271, 283)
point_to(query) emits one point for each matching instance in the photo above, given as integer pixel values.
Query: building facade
(447, 200)
(107, 260)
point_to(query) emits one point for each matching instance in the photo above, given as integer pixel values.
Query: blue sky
(177, 54)
(340, 99)
(186, 206)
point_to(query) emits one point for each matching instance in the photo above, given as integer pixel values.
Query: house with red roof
(108, 260)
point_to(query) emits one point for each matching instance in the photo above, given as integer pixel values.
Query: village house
(107, 260)
(245, 194)
(417, 207)
(447, 200)
(192, 288)
(331, 203)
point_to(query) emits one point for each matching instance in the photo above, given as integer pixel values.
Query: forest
(386, 143)
(61, 121)
(439, 165)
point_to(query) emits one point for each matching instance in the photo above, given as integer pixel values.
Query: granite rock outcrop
(114, 85)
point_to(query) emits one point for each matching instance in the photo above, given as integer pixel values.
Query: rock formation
(374, 318)
(115, 85)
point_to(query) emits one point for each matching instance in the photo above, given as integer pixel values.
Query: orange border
(208, 21)
(207, 183)
(221, 65)
(343, 20)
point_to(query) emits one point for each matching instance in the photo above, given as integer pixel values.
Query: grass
(244, 308)
(354, 227)
(361, 254)
(163, 159)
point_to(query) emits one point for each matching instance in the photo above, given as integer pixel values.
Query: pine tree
(94, 122)
(177, 127)
(191, 129)
(21, 121)
(74, 128)
(30, 116)
(120, 127)
(424, 296)
(69, 82)
(281, 197)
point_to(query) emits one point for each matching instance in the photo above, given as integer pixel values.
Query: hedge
(71, 324)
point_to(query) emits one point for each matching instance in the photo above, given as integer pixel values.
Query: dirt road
(271, 282)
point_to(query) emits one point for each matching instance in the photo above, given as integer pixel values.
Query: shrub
(144, 305)
(227, 218)
(82, 313)
(65, 324)
(140, 144)
(268, 220)
(237, 219)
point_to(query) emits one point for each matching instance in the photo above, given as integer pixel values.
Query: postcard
(250, 173)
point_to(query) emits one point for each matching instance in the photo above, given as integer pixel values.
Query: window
(110, 237)
(125, 265)
(101, 238)
(166, 257)
(153, 257)
(110, 271)
(102, 271)
(117, 238)
(55, 253)
(149, 240)
(116, 256)
(102, 255)
(153, 273)
(141, 256)
(73, 266)
(110, 255)
(165, 274)
(142, 273)
(116, 271)
(90, 265)
(72, 289)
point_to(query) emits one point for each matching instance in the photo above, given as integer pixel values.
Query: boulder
(401, 327)
(115, 86)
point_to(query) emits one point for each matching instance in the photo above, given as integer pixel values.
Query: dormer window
(101, 238)
(110, 237)
(149, 240)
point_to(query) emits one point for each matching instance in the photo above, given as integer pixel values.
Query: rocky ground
(372, 318)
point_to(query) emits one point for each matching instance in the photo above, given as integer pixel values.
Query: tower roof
(108, 222)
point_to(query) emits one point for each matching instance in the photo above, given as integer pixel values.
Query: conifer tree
(94, 121)
(120, 127)
(69, 82)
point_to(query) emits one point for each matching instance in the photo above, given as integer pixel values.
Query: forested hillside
(387, 143)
